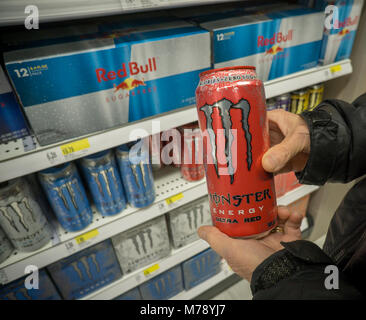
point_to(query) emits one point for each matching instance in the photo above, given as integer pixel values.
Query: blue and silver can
(136, 175)
(67, 196)
(271, 104)
(284, 102)
(101, 173)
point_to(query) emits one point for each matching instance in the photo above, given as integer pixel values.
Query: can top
(97, 155)
(225, 69)
(55, 169)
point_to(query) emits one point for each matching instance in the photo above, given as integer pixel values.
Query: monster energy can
(284, 101)
(136, 173)
(101, 173)
(315, 95)
(271, 104)
(21, 216)
(233, 119)
(6, 248)
(299, 101)
(66, 194)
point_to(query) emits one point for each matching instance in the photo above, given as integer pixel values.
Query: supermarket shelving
(15, 162)
(168, 184)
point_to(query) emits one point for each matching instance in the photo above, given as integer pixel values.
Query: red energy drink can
(192, 168)
(232, 114)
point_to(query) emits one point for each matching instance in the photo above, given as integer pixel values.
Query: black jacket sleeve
(300, 271)
(337, 142)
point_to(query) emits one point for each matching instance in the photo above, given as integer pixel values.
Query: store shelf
(12, 12)
(296, 194)
(138, 277)
(16, 162)
(168, 183)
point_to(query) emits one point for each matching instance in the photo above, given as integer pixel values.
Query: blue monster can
(284, 102)
(67, 196)
(101, 173)
(136, 173)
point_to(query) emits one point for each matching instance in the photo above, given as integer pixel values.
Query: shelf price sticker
(147, 272)
(75, 149)
(174, 199)
(82, 241)
(336, 68)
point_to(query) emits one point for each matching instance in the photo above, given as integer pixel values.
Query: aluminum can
(192, 168)
(299, 101)
(102, 175)
(284, 101)
(315, 93)
(67, 196)
(231, 109)
(155, 147)
(136, 175)
(271, 104)
(6, 248)
(171, 150)
(21, 217)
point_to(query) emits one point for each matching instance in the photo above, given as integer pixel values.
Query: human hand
(290, 142)
(243, 256)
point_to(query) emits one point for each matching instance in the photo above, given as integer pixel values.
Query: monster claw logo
(274, 50)
(129, 84)
(224, 107)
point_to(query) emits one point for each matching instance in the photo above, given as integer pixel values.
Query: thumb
(279, 155)
(219, 242)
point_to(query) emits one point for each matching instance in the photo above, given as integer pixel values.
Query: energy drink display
(136, 173)
(102, 175)
(67, 196)
(315, 93)
(155, 145)
(233, 119)
(12, 122)
(21, 217)
(299, 101)
(199, 268)
(86, 271)
(6, 248)
(284, 101)
(271, 104)
(108, 78)
(163, 286)
(171, 152)
(192, 168)
(338, 37)
(184, 221)
(133, 294)
(16, 290)
(142, 245)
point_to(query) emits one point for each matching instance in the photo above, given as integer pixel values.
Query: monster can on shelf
(136, 173)
(6, 248)
(21, 217)
(102, 175)
(315, 95)
(67, 196)
(284, 101)
(299, 101)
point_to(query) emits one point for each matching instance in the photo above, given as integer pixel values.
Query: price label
(174, 199)
(336, 68)
(74, 149)
(151, 269)
(81, 241)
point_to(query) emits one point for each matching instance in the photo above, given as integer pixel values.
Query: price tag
(73, 149)
(82, 241)
(3, 277)
(174, 199)
(151, 269)
(336, 68)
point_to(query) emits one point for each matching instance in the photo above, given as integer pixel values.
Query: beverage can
(102, 175)
(66, 194)
(6, 248)
(299, 101)
(271, 104)
(284, 101)
(21, 217)
(315, 95)
(232, 114)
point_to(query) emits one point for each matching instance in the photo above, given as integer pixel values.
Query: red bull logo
(343, 32)
(132, 69)
(129, 84)
(278, 37)
(347, 22)
(274, 50)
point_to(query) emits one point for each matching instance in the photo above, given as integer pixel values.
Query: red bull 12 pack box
(277, 42)
(76, 86)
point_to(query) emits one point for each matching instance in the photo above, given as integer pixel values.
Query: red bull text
(232, 110)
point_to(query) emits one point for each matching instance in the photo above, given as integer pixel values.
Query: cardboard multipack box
(133, 294)
(142, 245)
(86, 271)
(184, 221)
(17, 290)
(163, 286)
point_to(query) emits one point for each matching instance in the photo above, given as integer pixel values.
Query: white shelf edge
(137, 277)
(296, 194)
